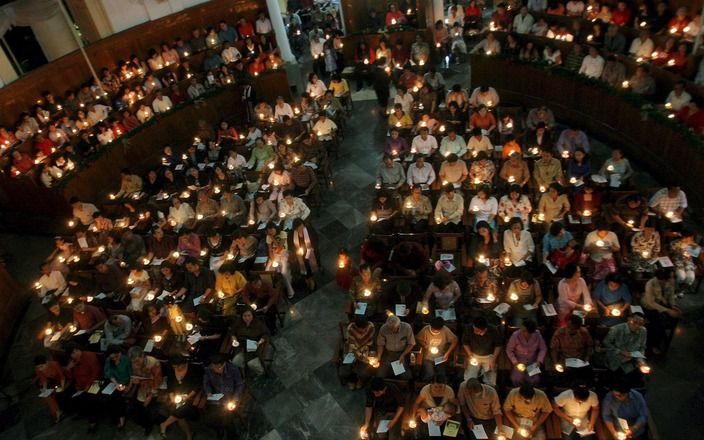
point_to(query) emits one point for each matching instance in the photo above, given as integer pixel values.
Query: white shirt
(297, 209)
(523, 24)
(54, 281)
(162, 105)
(106, 137)
(317, 89)
(284, 110)
(324, 129)
(483, 209)
(406, 102)
(181, 214)
(641, 48)
(236, 163)
(488, 98)
(144, 114)
(575, 409)
(483, 144)
(678, 102)
(418, 176)
(521, 250)
(592, 66)
(603, 252)
(98, 114)
(424, 146)
(263, 26)
(230, 55)
(457, 146)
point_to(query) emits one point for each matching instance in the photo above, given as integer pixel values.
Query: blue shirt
(633, 410)
(551, 243)
(229, 35)
(609, 297)
(229, 383)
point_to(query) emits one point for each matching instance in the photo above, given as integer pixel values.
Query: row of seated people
(609, 68)
(176, 256)
(99, 113)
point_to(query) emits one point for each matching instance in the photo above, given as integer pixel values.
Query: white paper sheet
(398, 368)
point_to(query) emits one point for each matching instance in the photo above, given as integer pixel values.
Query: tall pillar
(7, 71)
(54, 36)
(435, 10)
(277, 22)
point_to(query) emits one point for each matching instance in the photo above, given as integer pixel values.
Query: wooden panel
(372, 40)
(12, 300)
(356, 12)
(658, 148)
(70, 71)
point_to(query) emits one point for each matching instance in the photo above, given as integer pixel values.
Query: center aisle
(304, 398)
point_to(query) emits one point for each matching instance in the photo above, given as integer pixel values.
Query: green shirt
(121, 372)
(620, 339)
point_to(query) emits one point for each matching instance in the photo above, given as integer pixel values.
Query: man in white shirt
(50, 280)
(593, 64)
(424, 143)
(678, 97)
(263, 24)
(97, 113)
(478, 142)
(523, 22)
(537, 5)
(642, 47)
(282, 108)
(452, 144)
(83, 212)
(161, 103)
(195, 89)
(180, 214)
(578, 409)
(324, 128)
(484, 95)
(404, 98)
(421, 173)
(230, 54)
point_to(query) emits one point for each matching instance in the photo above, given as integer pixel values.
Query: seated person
(483, 207)
(436, 403)
(482, 345)
(482, 170)
(480, 405)
(384, 402)
(443, 291)
(577, 408)
(453, 144)
(383, 214)
(573, 294)
(554, 204)
(572, 342)
(515, 204)
(118, 329)
(526, 409)
(394, 343)
(223, 378)
(660, 305)
(449, 211)
(525, 296)
(366, 289)
(417, 209)
(526, 350)
(390, 174)
(612, 298)
(547, 170)
(600, 245)
(624, 403)
(625, 349)
(421, 173)
(453, 171)
(184, 384)
(438, 343)
(360, 341)
(518, 247)
(250, 337)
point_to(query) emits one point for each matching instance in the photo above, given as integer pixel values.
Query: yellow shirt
(230, 285)
(340, 88)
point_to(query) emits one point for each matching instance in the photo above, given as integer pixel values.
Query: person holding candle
(383, 214)
(438, 343)
(600, 245)
(624, 403)
(359, 341)
(453, 171)
(479, 403)
(303, 240)
(395, 145)
(518, 246)
(481, 344)
(670, 204)
(515, 171)
(390, 174)
(117, 370)
(579, 166)
(365, 288)
(443, 290)
(483, 207)
(683, 252)
(660, 305)
(578, 409)
(250, 328)
(571, 342)
(482, 170)
(83, 369)
(526, 350)
(625, 349)
(547, 170)
(436, 403)
(573, 294)
(449, 210)
(612, 298)
(384, 401)
(526, 409)
(525, 296)
(553, 204)
(645, 246)
(184, 384)
(50, 375)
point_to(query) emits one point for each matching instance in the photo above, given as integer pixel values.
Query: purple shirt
(526, 351)
(399, 145)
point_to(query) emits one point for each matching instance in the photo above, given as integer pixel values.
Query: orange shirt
(510, 148)
(483, 122)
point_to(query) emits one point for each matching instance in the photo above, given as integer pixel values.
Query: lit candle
(625, 84)
(645, 369)
(514, 296)
(542, 188)
(231, 405)
(412, 424)
(189, 326)
(511, 179)
(179, 318)
(586, 213)
(48, 331)
(520, 367)
(615, 312)
(176, 254)
(671, 63)
(203, 252)
(199, 217)
(559, 368)
(434, 350)
(669, 214)
(373, 217)
(490, 297)
(587, 308)
(576, 422)
(71, 223)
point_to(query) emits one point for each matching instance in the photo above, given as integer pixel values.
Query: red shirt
(245, 30)
(86, 371)
(24, 164)
(118, 129)
(474, 12)
(360, 57)
(91, 316)
(45, 146)
(678, 24)
(398, 16)
(621, 17)
(694, 121)
(400, 55)
(256, 68)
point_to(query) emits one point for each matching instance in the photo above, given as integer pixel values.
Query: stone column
(55, 37)
(277, 22)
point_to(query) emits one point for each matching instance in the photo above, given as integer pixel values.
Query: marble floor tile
(282, 407)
